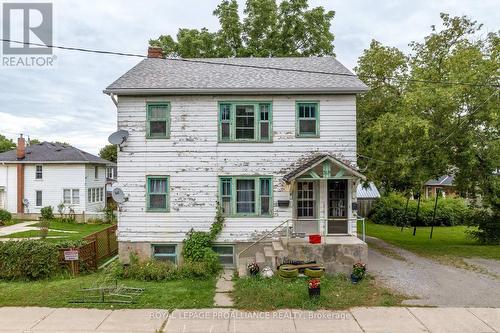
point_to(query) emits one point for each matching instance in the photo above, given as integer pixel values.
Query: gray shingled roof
(203, 76)
(52, 152)
(446, 180)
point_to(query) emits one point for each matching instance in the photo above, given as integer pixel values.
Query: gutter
(231, 91)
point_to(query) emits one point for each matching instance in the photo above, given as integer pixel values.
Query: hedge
(28, 260)
(390, 209)
(5, 216)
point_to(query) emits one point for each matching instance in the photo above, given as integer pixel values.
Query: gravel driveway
(431, 283)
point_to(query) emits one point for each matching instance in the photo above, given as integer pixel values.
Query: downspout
(113, 98)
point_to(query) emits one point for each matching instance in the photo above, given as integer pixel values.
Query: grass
(82, 230)
(337, 292)
(58, 292)
(448, 244)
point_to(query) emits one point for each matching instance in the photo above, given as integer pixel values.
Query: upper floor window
(157, 193)
(307, 119)
(39, 172)
(96, 172)
(158, 120)
(110, 172)
(245, 121)
(243, 196)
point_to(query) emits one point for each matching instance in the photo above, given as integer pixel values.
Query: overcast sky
(66, 103)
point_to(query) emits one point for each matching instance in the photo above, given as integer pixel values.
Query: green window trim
(226, 258)
(152, 118)
(230, 182)
(149, 193)
(299, 118)
(262, 121)
(165, 255)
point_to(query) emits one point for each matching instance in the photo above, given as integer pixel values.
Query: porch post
(323, 205)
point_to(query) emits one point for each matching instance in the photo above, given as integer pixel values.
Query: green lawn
(446, 243)
(336, 293)
(58, 292)
(81, 229)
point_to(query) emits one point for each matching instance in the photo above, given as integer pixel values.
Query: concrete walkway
(356, 320)
(223, 288)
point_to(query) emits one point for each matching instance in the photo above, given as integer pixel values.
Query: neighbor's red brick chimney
(20, 153)
(155, 52)
(21, 148)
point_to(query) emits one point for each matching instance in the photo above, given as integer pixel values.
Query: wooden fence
(99, 245)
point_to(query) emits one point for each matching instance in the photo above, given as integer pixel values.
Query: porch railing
(289, 227)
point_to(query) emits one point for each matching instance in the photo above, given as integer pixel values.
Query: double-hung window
(158, 120)
(307, 119)
(38, 198)
(71, 196)
(245, 121)
(38, 172)
(157, 193)
(244, 196)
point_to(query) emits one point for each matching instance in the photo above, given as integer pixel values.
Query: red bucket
(315, 239)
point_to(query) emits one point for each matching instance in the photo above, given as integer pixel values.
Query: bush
(47, 213)
(28, 260)
(488, 224)
(43, 227)
(5, 216)
(155, 270)
(390, 209)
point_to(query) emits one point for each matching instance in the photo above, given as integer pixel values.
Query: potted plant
(253, 269)
(314, 288)
(358, 272)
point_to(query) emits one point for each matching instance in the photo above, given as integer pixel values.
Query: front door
(337, 206)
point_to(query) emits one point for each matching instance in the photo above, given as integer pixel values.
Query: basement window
(165, 252)
(225, 253)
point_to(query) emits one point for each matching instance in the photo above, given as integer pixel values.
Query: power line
(79, 49)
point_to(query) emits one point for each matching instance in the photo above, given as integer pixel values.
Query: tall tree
(267, 30)
(109, 152)
(6, 144)
(418, 122)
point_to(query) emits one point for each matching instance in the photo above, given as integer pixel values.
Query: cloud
(66, 103)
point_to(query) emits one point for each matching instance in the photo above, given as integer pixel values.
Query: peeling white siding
(194, 160)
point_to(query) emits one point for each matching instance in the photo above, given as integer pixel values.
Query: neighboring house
(111, 174)
(48, 174)
(444, 184)
(367, 195)
(273, 147)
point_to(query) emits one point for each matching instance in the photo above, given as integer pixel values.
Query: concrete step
(260, 258)
(269, 252)
(277, 246)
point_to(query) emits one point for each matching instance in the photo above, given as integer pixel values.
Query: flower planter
(314, 292)
(355, 279)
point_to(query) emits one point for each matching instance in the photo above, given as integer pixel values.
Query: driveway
(430, 283)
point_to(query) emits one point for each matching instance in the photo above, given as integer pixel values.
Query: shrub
(47, 213)
(43, 227)
(390, 209)
(28, 260)
(5, 216)
(109, 212)
(488, 224)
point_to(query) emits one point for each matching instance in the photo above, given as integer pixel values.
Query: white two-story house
(273, 140)
(48, 174)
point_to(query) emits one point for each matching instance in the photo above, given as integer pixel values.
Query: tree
(109, 152)
(267, 30)
(6, 144)
(413, 128)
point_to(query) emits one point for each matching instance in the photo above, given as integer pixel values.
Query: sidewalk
(356, 320)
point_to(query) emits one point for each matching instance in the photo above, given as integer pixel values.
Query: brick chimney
(155, 52)
(21, 148)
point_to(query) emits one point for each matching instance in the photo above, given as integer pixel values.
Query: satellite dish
(26, 202)
(118, 195)
(118, 137)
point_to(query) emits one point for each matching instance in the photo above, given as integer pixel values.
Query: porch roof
(316, 160)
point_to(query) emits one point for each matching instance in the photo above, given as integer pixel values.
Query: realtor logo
(28, 23)
(28, 27)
